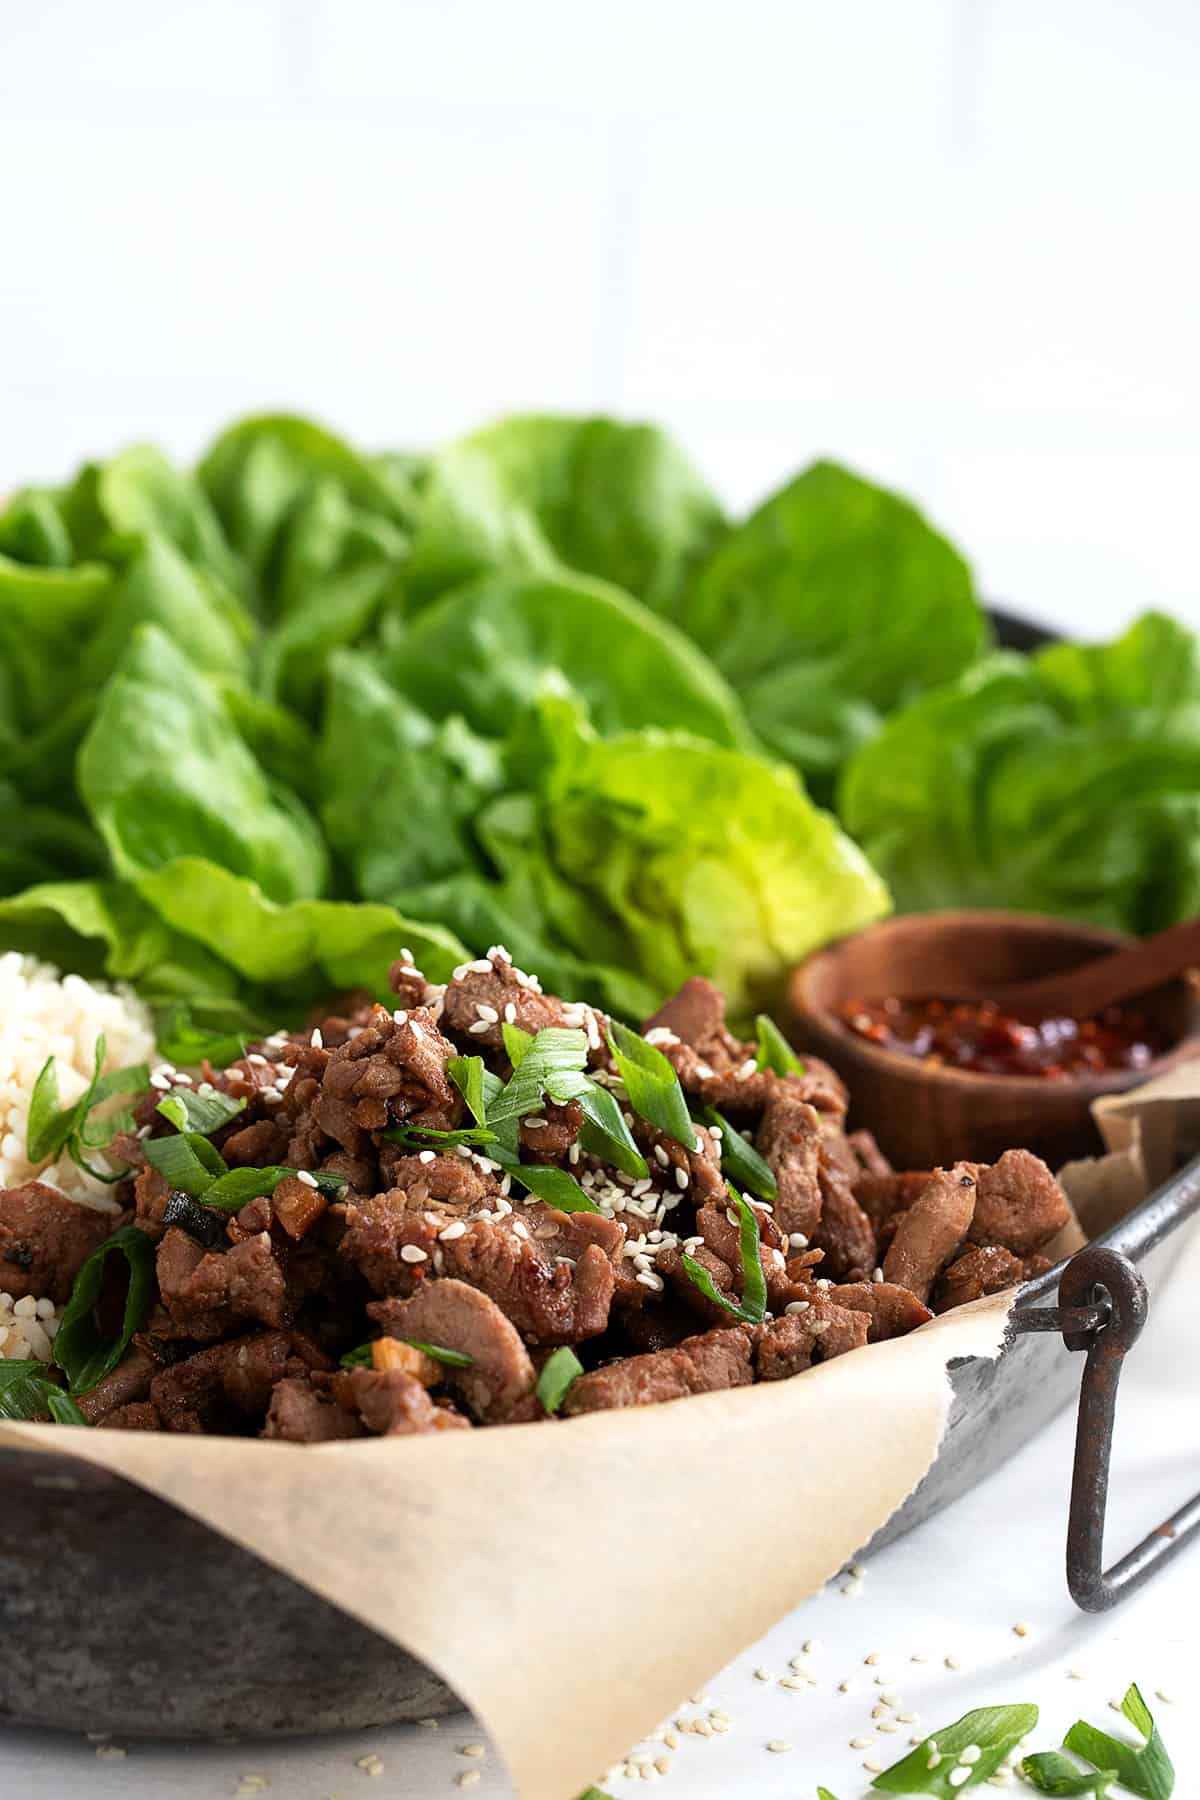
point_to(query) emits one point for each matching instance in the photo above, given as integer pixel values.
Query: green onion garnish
(752, 1309)
(992, 1731)
(774, 1051)
(652, 1084)
(83, 1355)
(558, 1372)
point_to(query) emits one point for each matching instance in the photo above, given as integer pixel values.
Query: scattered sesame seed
(796, 1683)
(861, 1743)
(110, 1752)
(952, 1662)
(1165, 1698)
(476, 1026)
(469, 1778)
(661, 1156)
(844, 1687)
(873, 1658)
(778, 1746)
(1075, 1675)
(918, 1656)
(427, 1156)
(412, 1253)
(1020, 1629)
(871, 1766)
(472, 1750)
(316, 1040)
(907, 1718)
(1115, 1705)
(808, 1646)
(671, 1740)
(763, 1675)
(935, 1756)
(663, 1764)
(304, 1176)
(370, 1765)
(970, 1753)
(681, 1176)
(890, 1699)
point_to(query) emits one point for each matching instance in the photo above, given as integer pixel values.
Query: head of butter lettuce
(264, 722)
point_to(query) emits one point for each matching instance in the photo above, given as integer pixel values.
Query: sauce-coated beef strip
(44, 1241)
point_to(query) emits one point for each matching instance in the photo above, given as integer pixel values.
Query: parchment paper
(573, 1582)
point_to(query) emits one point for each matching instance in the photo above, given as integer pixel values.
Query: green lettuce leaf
(485, 650)
(164, 775)
(158, 586)
(138, 491)
(543, 493)
(829, 606)
(45, 613)
(306, 948)
(398, 792)
(1067, 782)
(105, 928)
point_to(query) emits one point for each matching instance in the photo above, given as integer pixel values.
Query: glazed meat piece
(723, 1238)
(128, 1382)
(44, 1240)
(300, 1414)
(391, 1403)
(150, 1193)
(486, 994)
(431, 1180)
(931, 1231)
(1018, 1204)
(695, 1173)
(139, 1415)
(818, 1333)
(891, 1311)
(548, 1300)
(700, 1365)
(205, 1290)
(978, 1271)
(882, 1197)
(844, 1233)
(869, 1156)
(238, 1376)
(789, 1141)
(454, 1316)
(669, 1265)
(695, 1015)
(547, 1135)
(393, 1073)
(389, 1241)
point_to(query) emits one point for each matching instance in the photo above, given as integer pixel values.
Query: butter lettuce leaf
(1066, 782)
(164, 774)
(547, 493)
(833, 603)
(488, 648)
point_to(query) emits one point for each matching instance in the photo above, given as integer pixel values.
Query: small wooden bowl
(926, 1116)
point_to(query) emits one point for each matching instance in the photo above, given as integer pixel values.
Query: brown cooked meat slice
(789, 1141)
(391, 1403)
(891, 1311)
(44, 1240)
(549, 1140)
(700, 1365)
(477, 1003)
(151, 1192)
(453, 1316)
(694, 1174)
(203, 1290)
(744, 1092)
(983, 1269)
(723, 1238)
(129, 1381)
(1018, 1203)
(669, 1264)
(882, 1197)
(822, 1330)
(239, 1376)
(393, 1073)
(845, 1232)
(549, 1300)
(138, 1415)
(432, 1180)
(379, 1231)
(301, 1415)
(695, 1015)
(870, 1157)
(930, 1232)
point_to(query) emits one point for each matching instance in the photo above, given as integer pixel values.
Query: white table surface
(954, 1588)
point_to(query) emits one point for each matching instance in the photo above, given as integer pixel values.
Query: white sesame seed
(510, 1013)
(970, 1753)
(872, 1659)
(161, 1082)
(653, 1282)
(681, 1176)
(844, 1687)
(316, 1040)
(258, 1060)
(872, 1767)
(426, 1156)
(304, 1176)
(861, 1743)
(455, 1230)
(535, 1122)
(959, 1776)
(661, 1156)
(886, 1725)
(747, 1069)
(952, 1662)
(488, 1014)
(918, 1656)
(472, 1750)
(1165, 1698)
(763, 1675)
(469, 1778)
(412, 1253)
(478, 1026)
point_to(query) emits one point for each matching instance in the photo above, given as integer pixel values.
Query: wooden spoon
(1105, 981)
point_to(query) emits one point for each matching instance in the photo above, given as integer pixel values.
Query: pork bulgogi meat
(417, 1234)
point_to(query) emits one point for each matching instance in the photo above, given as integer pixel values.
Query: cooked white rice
(44, 1014)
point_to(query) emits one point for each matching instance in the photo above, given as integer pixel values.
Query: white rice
(44, 1014)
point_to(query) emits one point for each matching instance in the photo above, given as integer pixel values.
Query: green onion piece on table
(979, 1742)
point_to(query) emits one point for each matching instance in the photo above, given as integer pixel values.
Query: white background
(951, 241)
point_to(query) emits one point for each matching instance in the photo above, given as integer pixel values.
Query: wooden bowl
(926, 1116)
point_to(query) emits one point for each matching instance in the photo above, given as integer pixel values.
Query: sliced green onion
(1050, 1772)
(25, 1389)
(558, 1372)
(740, 1161)
(188, 1043)
(63, 1409)
(53, 1128)
(1146, 1770)
(360, 1358)
(605, 1134)
(476, 1083)
(992, 1730)
(552, 1185)
(83, 1355)
(752, 1309)
(187, 1161)
(231, 1191)
(774, 1051)
(421, 1137)
(187, 1110)
(652, 1084)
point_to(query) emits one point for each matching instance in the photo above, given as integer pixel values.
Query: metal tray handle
(1103, 1305)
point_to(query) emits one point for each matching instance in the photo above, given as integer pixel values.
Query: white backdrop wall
(953, 242)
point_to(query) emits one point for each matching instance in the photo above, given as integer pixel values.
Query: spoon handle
(1107, 980)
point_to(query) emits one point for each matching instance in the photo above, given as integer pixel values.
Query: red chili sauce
(981, 1037)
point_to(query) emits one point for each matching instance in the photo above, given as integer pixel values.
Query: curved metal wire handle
(1103, 1305)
